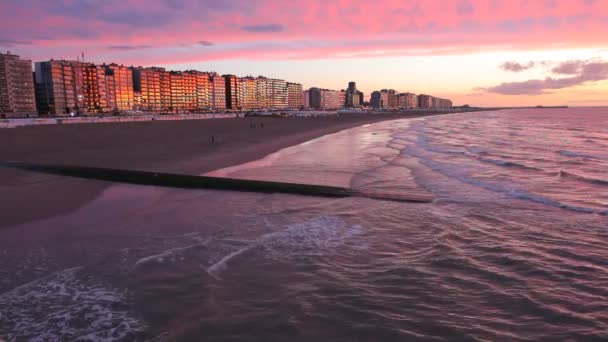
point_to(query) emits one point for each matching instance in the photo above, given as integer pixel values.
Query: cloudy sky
(481, 52)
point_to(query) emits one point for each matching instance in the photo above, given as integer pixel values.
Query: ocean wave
(170, 254)
(477, 150)
(508, 164)
(567, 153)
(506, 190)
(566, 174)
(323, 234)
(72, 309)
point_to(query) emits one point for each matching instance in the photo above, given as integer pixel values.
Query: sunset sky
(479, 52)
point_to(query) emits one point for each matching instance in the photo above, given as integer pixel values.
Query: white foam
(168, 254)
(63, 307)
(317, 236)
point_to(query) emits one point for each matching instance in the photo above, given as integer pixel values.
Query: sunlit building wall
(16, 87)
(123, 86)
(295, 99)
(178, 96)
(247, 87)
(424, 101)
(325, 99)
(218, 92)
(147, 81)
(202, 89)
(190, 92)
(56, 87)
(277, 93)
(261, 92)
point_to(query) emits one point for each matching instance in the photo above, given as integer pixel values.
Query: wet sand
(165, 146)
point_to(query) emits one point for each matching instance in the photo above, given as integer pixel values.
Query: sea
(514, 246)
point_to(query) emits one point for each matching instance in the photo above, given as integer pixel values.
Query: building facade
(59, 88)
(380, 99)
(246, 95)
(306, 99)
(353, 97)
(425, 101)
(442, 103)
(147, 81)
(295, 99)
(16, 87)
(121, 86)
(392, 98)
(408, 100)
(78, 88)
(218, 91)
(325, 99)
(277, 95)
(232, 92)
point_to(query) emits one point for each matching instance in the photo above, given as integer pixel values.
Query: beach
(165, 146)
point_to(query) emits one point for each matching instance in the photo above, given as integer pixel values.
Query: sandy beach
(167, 146)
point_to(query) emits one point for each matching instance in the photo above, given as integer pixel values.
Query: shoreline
(163, 146)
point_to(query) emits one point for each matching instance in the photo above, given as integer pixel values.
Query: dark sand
(166, 146)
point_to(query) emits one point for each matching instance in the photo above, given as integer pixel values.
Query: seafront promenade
(13, 123)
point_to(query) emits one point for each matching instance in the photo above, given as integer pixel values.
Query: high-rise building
(441, 103)
(59, 87)
(165, 89)
(353, 97)
(218, 91)
(306, 99)
(191, 92)
(147, 81)
(295, 99)
(376, 100)
(271, 93)
(424, 101)
(392, 98)
(325, 99)
(246, 95)
(261, 92)
(232, 91)
(203, 90)
(178, 94)
(107, 100)
(408, 100)
(122, 86)
(384, 99)
(16, 87)
(277, 93)
(107, 89)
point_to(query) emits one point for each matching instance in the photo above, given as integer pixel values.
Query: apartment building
(16, 87)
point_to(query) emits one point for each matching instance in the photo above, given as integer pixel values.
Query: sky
(477, 52)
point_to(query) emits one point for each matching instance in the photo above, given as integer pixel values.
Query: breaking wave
(66, 306)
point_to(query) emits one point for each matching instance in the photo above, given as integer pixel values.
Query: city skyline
(77, 87)
(486, 52)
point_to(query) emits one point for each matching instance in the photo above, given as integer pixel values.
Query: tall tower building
(59, 88)
(232, 92)
(147, 81)
(247, 93)
(16, 87)
(218, 91)
(353, 97)
(277, 93)
(295, 99)
(123, 86)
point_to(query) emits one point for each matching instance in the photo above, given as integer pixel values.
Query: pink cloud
(582, 72)
(171, 30)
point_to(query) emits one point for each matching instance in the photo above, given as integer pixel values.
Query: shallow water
(514, 246)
